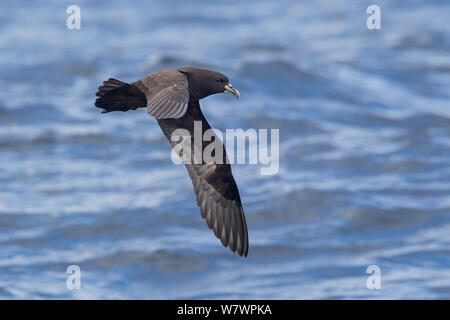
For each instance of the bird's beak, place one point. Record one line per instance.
(229, 88)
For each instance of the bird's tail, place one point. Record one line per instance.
(116, 95)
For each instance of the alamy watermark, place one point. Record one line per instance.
(73, 21)
(373, 282)
(73, 281)
(206, 147)
(374, 20)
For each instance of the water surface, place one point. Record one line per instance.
(364, 119)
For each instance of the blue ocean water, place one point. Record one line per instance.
(364, 179)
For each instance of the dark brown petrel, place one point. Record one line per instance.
(172, 97)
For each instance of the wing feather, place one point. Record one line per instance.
(166, 92)
(214, 185)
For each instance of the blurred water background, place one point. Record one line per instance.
(364, 119)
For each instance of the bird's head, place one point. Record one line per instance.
(203, 83)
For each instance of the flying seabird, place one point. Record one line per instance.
(172, 97)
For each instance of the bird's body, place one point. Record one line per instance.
(172, 97)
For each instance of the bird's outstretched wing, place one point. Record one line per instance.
(166, 92)
(217, 193)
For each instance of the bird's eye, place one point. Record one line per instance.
(219, 80)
